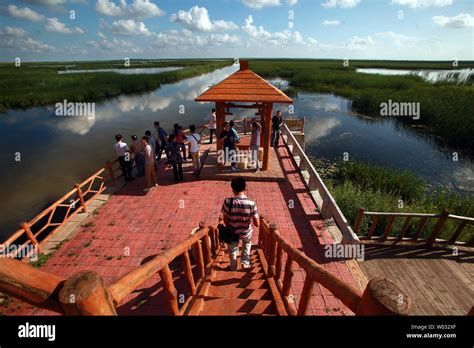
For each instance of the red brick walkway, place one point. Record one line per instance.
(143, 224)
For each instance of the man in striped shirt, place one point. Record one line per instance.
(239, 213)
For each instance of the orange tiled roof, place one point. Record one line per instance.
(244, 86)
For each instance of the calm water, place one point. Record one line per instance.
(57, 152)
(458, 76)
(131, 71)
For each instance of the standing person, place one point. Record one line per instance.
(277, 121)
(180, 138)
(212, 125)
(194, 142)
(175, 157)
(229, 146)
(123, 154)
(255, 144)
(239, 213)
(136, 148)
(151, 141)
(236, 135)
(149, 165)
(162, 136)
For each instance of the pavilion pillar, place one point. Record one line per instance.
(220, 120)
(267, 129)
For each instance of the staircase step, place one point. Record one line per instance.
(228, 306)
(229, 291)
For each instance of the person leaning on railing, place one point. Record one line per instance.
(277, 122)
(123, 154)
(149, 165)
(212, 125)
(136, 148)
(255, 145)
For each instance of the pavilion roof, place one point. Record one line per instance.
(244, 86)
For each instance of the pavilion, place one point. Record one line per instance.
(245, 86)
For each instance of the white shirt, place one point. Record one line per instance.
(121, 148)
(212, 121)
(152, 143)
(193, 140)
(149, 155)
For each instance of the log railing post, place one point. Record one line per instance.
(438, 227)
(84, 293)
(207, 250)
(278, 265)
(305, 295)
(388, 228)
(199, 258)
(188, 273)
(383, 297)
(168, 286)
(272, 249)
(108, 165)
(358, 221)
(286, 288)
(30, 235)
(81, 198)
(458, 232)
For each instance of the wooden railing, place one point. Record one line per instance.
(418, 236)
(42, 227)
(381, 297)
(327, 205)
(84, 293)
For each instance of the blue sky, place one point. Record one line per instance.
(354, 29)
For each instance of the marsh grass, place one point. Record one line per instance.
(446, 108)
(39, 84)
(379, 189)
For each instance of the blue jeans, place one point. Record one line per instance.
(234, 251)
(140, 163)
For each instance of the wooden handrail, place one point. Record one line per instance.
(377, 298)
(329, 208)
(129, 282)
(442, 218)
(84, 292)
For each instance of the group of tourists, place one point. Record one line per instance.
(147, 152)
(239, 212)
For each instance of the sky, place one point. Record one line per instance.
(42, 30)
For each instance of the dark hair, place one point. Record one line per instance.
(231, 123)
(213, 110)
(171, 137)
(226, 124)
(192, 128)
(176, 126)
(134, 137)
(238, 184)
(157, 123)
(255, 124)
(118, 137)
(145, 138)
(148, 133)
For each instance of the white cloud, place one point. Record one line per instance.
(258, 4)
(340, 3)
(358, 43)
(114, 44)
(25, 44)
(263, 37)
(13, 32)
(197, 18)
(47, 2)
(55, 26)
(138, 9)
(129, 27)
(422, 3)
(25, 13)
(330, 23)
(463, 20)
(400, 40)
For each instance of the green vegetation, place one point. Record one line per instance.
(38, 84)
(356, 185)
(446, 108)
